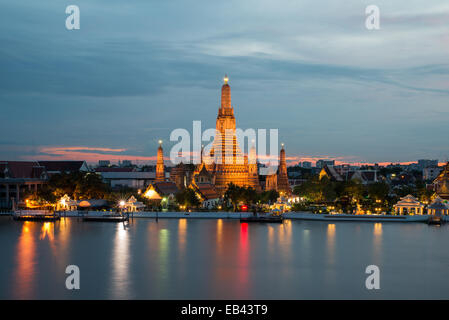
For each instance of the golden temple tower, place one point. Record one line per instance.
(441, 183)
(282, 182)
(253, 172)
(160, 174)
(229, 165)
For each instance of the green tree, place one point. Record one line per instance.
(268, 196)
(378, 191)
(233, 194)
(317, 190)
(188, 198)
(249, 195)
(353, 190)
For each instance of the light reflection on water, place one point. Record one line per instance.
(120, 264)
(24, 278)
(223, 259)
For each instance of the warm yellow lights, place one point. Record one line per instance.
(226, 79)
(160, 141)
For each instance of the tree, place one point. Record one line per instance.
(423, 193)
(378, 191)
(233, 194)
(188, 198)
(310, 190)
(268, 196)
(317, 190)
(353, 190)
(77, 185)
(249, 195)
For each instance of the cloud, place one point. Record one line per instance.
(89, 154)
(135, 71)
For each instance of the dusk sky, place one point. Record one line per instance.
(136, 70)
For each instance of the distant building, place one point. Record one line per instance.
(54, 167)
(126, 163)
(104, 163)
(306, 164)
(19, 177)
(126, 177)
(426, 163)
(430, 173)
(321, 163)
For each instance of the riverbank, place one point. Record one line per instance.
(237, 215)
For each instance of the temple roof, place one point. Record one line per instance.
(438, 204)
(444, 174)
(22, 170)
(165, 188)
(207, 191)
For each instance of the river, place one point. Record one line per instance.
(222, 259)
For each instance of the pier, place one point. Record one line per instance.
(36, 215)
(107, 218)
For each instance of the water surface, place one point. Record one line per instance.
(222, 259)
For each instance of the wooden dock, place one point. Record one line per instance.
(35, 215)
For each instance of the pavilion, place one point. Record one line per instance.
(409, 205)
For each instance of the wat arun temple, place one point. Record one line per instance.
(226, 163)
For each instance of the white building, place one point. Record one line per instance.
(131, 179)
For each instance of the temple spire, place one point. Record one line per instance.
(283, 185)
(160, 171)
(226, 94)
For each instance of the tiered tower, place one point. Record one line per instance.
(441, 183)
(160, 174)
(282, 182)
(253, 172)
(229, 165)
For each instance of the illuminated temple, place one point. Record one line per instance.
(225, 163)
(441, 183)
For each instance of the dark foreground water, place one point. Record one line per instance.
(222, 259)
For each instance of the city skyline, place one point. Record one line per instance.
(334, 90)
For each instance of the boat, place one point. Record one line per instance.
(270, 218)
(35, 215)
(107, 218)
